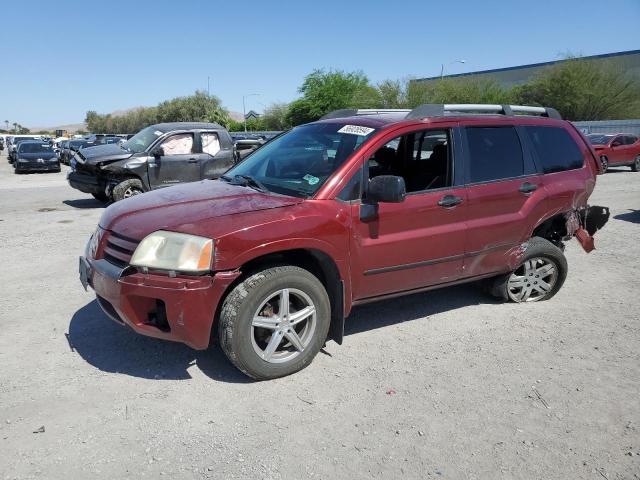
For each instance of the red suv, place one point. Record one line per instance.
(616, 150)
(354, 208)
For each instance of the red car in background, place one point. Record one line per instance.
(616, 150)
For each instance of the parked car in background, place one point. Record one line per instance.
(15, 141)
(245, 144)
(35, 156)
(357, 207)
(616, 150)
(1, 143)
(156, 157)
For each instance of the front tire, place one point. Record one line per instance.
(604, 161)
(635, 167)
(127, 188)
(274, 322)
(540, 275)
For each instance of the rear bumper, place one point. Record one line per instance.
(177, 309)
(85, 183)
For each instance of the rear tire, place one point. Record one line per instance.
(540, 275)
(635, 167)
(262, 338)
(127, 188)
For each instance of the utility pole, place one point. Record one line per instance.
(208, 91)
(244, 108)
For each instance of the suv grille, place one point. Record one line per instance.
(119, 249)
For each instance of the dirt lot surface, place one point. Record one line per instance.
(448, 384)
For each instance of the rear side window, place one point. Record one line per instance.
(210, 143)
(495, 153)
(630, 140)
(556, 151)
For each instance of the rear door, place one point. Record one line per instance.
(504, 192)
(630, 149)
(216, 155)
(179, 162)
(418, 242)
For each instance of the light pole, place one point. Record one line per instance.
(244, 109)
(450, 63)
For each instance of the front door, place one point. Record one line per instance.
(420, 241)
(177, 162)
(617, 152)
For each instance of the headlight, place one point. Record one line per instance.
(174, 251)
(23, 160)
(92, 246)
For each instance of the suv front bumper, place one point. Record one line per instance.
(178, 309)
(85, 183)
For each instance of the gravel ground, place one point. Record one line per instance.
(447, 384)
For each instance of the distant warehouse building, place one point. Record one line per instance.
(625, 62)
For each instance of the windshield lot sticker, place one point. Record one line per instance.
(356, 130)
(311, 180)
(157, 133)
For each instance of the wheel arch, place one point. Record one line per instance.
(553, 229)
(319, 263)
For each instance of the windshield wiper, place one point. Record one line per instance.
(249, 181)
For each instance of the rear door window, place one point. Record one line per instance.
(555, 150)
(495, 153)
(210, 143)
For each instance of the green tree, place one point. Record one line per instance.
(275, 117)
(456, 90)
(583, 90)
(324, 91)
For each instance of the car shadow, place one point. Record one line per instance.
(113, 348)
(632, 216)
(85, 203)
(414, 307)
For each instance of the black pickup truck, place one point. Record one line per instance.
(157, 156)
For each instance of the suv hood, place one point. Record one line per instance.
(103, 153)
(179, 207)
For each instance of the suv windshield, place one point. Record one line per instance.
(34, 148)
(299, 162)
(141, 140)
(599, 139)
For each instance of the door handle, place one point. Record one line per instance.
(528, 188)
(449, 201)
(193, 160)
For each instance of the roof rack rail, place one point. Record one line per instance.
(353, 112)
(440, 110)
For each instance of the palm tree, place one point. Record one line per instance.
(15, 126)
(6, 122)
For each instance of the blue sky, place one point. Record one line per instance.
(63, 58)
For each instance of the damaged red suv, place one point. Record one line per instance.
(357, 207)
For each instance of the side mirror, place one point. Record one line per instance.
(616, 144)
(158, 152)
(387, 189)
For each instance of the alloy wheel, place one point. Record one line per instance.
(605, 164)
(131, 191)
(533, 280)
(283, 326)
